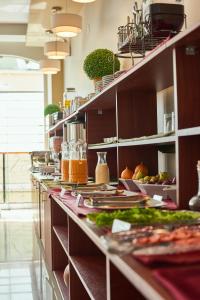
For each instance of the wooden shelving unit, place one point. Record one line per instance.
(130, 108)
(95, 273)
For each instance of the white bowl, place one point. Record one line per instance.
(164, 190)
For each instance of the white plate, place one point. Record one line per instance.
(108, 192)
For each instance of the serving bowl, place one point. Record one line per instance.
(164, 190)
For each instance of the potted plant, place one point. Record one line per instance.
(99, 63)
(49, 110)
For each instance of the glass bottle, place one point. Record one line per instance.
(65, 162)
(78, 167)
(102, 174)
(68, 96)
(194, 202)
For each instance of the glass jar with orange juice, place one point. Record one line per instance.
(78, 167)
(65, 162)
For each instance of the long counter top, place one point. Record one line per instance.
(141, 279)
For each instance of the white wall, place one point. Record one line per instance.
(100, 22)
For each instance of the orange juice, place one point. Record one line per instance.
(78, 171)
(65, 169)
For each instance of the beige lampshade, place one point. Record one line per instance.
(83, 1)
(49, 66)
(66, 25)
(56, 49)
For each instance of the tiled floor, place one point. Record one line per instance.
(23, 275)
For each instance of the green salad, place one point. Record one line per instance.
(141, 216)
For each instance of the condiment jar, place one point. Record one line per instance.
(68, 96)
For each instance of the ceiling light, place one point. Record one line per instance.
(48, 66)
(66, 25)
(56, 49)
(83, 1)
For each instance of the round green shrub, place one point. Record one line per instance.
(101, 62)
(50, 109)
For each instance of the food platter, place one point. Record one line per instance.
(155, 239)
(124, 204)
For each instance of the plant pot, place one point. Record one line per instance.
(98, 85)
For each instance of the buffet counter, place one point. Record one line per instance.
(84, 268)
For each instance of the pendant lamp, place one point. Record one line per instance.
(83, 1)
(66, 25)
(56, 49)
(48, 66)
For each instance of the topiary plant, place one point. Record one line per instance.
(50, 109)
(100, 62)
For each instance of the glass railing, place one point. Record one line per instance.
(15, 178)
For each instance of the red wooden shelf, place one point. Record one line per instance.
(92, 273)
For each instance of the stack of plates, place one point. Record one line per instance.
(98, 86)
(107, 79)
(119, 73)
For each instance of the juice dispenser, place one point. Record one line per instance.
(65, 162)
(78, 168)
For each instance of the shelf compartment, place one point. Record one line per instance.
(62, 235)
(100, 124)
(188, 88)
(111, 160)
(120, 287)
(92, 273)
(61, 285)
(137, 113)
(132, 156)
(77, 290)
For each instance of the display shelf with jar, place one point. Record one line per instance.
(131, 109)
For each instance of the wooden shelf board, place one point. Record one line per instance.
(103, 100)
(62, 235)
(92, 273)
(61, 122)
(189, 131)
(61, 285)
(158, 141)
(107, 146)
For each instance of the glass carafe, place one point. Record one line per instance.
(102, 174)
(65, 162)
(78, 168)
(194, 202)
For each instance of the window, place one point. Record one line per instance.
(21, 112)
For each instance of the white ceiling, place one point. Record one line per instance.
(23, 25)
(14, 11)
